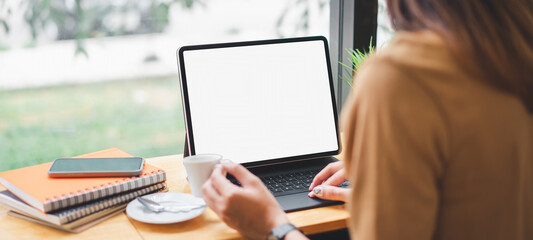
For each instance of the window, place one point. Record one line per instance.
(353, 24)
(384, 31)
(81, 76)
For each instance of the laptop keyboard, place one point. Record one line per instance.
(289, 183)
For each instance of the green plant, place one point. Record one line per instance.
(357, 58)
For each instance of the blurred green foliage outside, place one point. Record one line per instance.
(141, 117)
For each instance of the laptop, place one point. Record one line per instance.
(268, 105)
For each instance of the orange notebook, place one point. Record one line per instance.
(33, 185)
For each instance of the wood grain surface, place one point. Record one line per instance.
(206, 226)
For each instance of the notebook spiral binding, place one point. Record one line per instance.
(74, 213)
(97, 192)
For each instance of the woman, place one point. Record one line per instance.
(438, 132)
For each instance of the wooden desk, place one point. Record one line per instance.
(206, 226)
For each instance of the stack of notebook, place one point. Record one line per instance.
(74, 204)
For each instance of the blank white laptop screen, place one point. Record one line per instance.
(260, 102)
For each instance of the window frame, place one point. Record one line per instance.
(352, 24)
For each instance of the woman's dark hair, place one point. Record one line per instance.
(493, 39)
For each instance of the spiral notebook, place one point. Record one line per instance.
(72, 214)
(32, 184)
(78, 225)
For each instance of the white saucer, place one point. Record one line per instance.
(140, 213)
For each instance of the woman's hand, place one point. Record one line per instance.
(249, 209)
(325, 183)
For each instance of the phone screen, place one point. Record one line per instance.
(97, 164)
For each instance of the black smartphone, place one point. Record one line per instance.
(96, 167)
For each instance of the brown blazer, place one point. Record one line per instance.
(433, 153)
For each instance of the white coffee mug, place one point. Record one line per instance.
(199, 168)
